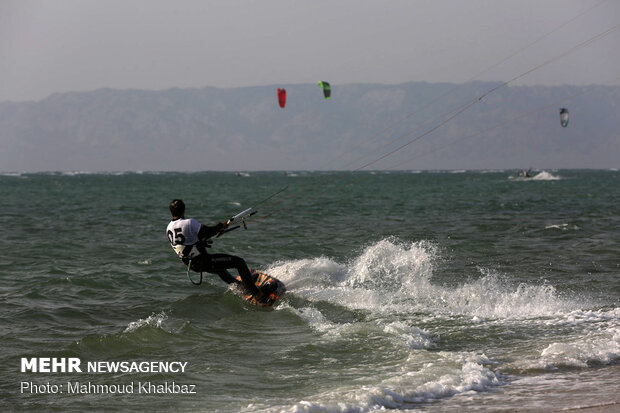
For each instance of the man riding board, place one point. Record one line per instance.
(190, 240)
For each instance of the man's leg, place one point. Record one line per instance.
(226, 277)
(221, 262)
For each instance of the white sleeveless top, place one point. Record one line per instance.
(181, 233)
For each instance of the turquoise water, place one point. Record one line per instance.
(430, 291)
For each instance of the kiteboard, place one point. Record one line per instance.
(271, 287)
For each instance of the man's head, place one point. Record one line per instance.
(177, 208)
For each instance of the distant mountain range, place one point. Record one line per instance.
(245, 129)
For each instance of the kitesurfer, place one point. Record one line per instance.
(190, 240)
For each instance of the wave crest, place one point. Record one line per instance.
(154, 320)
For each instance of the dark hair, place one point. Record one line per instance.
(177, 208)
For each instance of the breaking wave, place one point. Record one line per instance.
(393, 276)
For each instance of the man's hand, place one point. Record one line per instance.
(225, 225)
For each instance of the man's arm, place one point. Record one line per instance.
(207, 232)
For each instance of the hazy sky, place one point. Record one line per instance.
(49, 46)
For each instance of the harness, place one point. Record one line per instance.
(189, 252)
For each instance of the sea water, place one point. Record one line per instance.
(429, 291)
